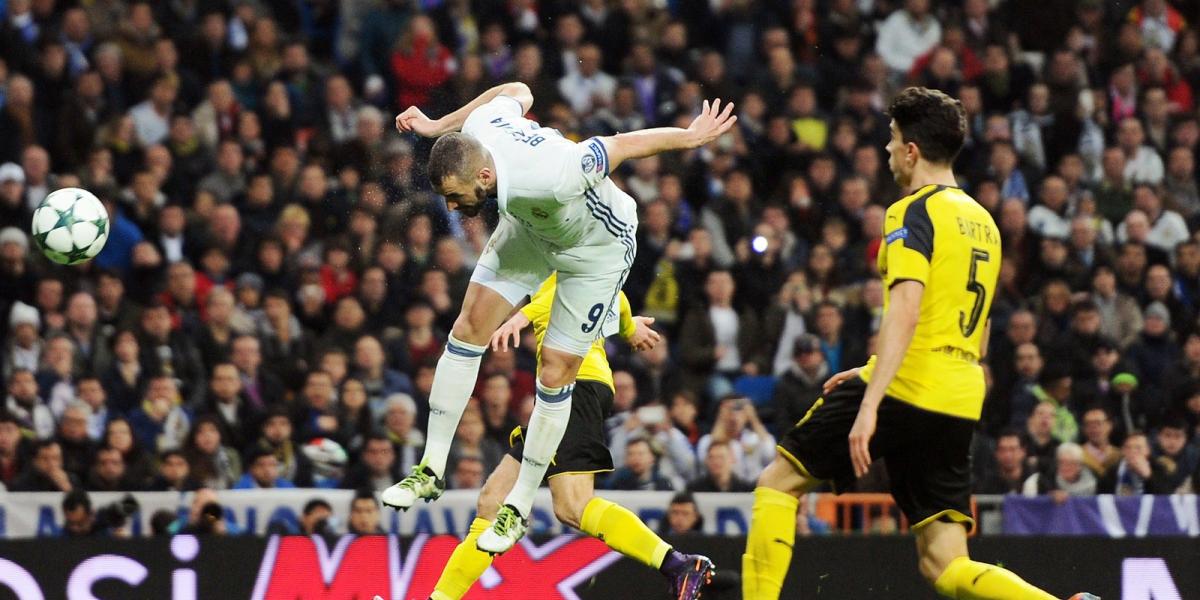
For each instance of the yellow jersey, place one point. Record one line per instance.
(944, 239)
(595, 364)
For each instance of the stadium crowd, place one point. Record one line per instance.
(278, 279)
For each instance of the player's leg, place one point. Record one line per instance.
(943, 560)
(484, 310)
(814, 450)
(510, 268)
(772, 529)
(467, 563)
(576, 504)
(929, 469)
(577, 318)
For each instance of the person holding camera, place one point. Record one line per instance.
(79, 520)
(738, 424)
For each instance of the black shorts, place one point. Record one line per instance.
(928, 454)
(584, 446)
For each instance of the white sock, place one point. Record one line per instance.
(453, 382)
(546, 427)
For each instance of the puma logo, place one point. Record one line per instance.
(980, 576)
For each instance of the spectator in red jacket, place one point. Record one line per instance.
(420, 63)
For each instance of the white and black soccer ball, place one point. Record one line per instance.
(70, 226)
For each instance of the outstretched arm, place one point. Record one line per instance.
(711, 123)
(412, 119)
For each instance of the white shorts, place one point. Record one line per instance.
(515, 263)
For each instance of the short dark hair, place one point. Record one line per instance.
(453, 155)
(1011, 432)
(932, 120)
(314, 504)
(683, 498)
(75, 499)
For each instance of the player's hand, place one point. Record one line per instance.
(860, 440)
(644, 338)
(711, 123)
(836, 380)
(414, 121)
(510, 330)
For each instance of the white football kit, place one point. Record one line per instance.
(558, 212)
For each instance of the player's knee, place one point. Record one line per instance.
(557, 368)
(467, 330)
(782, 476)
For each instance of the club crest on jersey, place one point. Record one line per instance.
(898, 234)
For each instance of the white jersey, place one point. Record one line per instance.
(557, 189)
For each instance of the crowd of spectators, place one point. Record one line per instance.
(278, 279)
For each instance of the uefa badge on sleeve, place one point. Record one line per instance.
(588, 163)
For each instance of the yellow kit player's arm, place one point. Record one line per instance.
(895, 334)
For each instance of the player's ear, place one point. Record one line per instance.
(912, 152)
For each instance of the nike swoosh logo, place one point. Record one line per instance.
(780, 541)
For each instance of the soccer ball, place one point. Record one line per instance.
(70, 226)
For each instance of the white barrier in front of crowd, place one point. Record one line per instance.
(34, 514)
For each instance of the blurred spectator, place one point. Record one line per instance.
(205, 517)
(125, 378)
(738, 424)
(276, 438)
(1099, 454)
(718, 473)
(640, 470)
(119, 435)
(1007, 470)
(377, 467)
(364, 514)
(683, 517)
(78, 516)
(800, 385)
(25, 344)
(108, 473)
(174, 474)
(262, 472)
(1179, 458)
(226, 404)
(468, 473)
(78, 448)
(11, 458)
(211, 461)
(1068, 478)
(1135, 474)
(45, 472)
(470, 441)
(160, 423)
(907, 34)
(24, 404)
(654, 423)
(718, 342)
(399, 425)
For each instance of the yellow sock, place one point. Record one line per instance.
(966, 579)
(623, 531)
(769, 545)
(467, 564)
